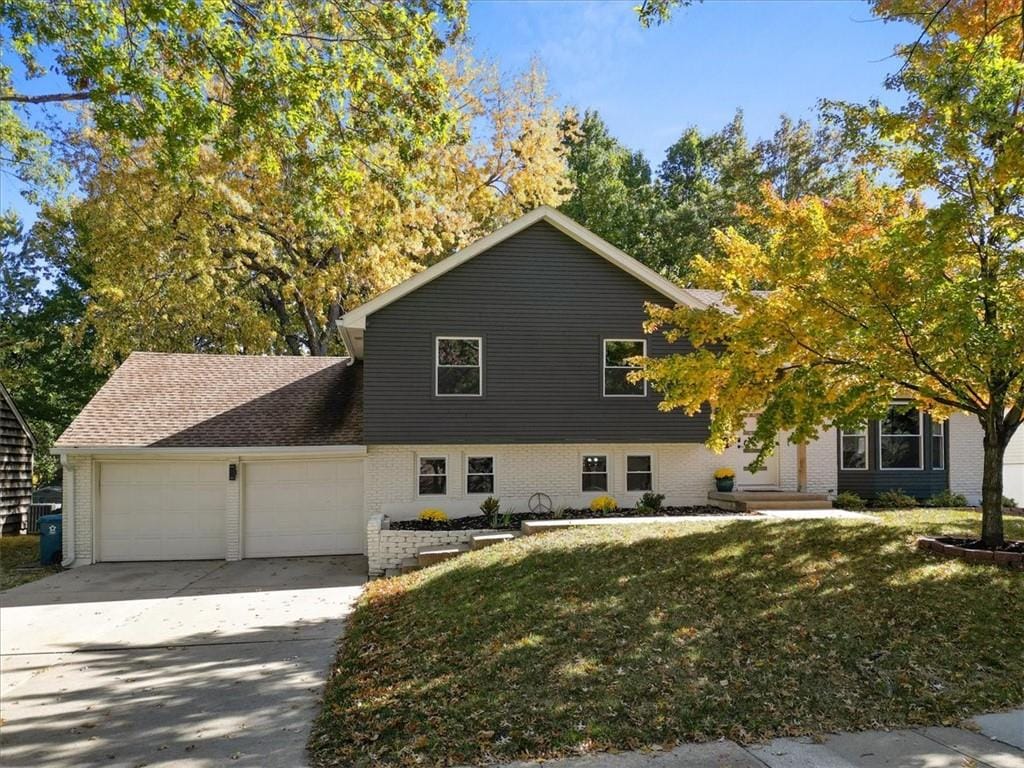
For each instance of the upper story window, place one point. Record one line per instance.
(458, 365)
(899, 439)
(617, 353)
(854, 449)
(938, 444)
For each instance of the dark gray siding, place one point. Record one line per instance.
(15, 467)
(542, 304)
(920, 483)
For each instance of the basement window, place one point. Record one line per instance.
(595, 473)
(433, 475)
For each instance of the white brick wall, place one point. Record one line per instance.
(966, 456)
(82, 467)
(682, 471)
(233, 511)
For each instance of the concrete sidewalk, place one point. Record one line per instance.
(989, 741)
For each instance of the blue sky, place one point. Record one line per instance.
(649, 84)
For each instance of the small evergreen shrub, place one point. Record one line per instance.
(604, 504)
(895, 498)
(650, 502)
(947, 498)
(1009, 503)
(849, 500)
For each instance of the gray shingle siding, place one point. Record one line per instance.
(919, 483)
(15, 465)
(542, 304)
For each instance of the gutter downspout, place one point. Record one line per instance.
(68, 520)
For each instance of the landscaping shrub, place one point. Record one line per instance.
(947, 498)
(489, 507)
(433, 515)
(896, 498)
(849, 500)
(650, 501)
(1008, 502)
(604, 504)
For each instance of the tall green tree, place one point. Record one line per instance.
(44, 353)
(613, 191)
(876, 296)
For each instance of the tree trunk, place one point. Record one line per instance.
(992, 489)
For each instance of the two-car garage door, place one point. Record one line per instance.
(176, 510)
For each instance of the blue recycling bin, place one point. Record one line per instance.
(50, 539)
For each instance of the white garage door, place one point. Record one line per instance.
(161, 510)
(303, 508)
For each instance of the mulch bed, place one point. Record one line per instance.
(474, 522)
(1011, 554)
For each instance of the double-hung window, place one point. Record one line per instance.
(854, 449)
(433, 476)
(899, 439)
(595, 473)
(458, 366)
(639, 473)
(617, 367)
(938, 444)
(480, 474)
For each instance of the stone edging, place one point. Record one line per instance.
(1009, 559)
(386, 549)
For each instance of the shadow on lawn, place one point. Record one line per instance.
(626, 637)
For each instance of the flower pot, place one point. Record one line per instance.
(724, 484)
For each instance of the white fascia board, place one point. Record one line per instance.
(258, 450)
(357, 317)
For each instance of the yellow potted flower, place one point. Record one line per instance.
(724, 478)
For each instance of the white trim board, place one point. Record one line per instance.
(260, 450)
(356, 319)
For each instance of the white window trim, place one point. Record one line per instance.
(479, 364)
(654, 477)
(605, 367)
(867, 443)
(493, 473)
(920, 444)
(941, 425)
(607, 472)
(447, 476)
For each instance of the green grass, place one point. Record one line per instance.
(617, 638)
(18, 551)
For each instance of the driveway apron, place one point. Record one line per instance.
(170, 664)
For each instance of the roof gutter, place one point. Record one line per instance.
(227, 450)
(68, 520)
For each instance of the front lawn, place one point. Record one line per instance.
(616, 638)
(17, 555)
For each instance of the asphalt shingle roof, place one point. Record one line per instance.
(159, 400)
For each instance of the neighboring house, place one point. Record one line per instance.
(1013, 469)
(501, 370)
(16, 448)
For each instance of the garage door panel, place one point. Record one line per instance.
(162, 510)
(303, 508)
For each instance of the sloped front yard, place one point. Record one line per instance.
(620, 638)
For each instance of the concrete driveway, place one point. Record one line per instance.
(170, 664)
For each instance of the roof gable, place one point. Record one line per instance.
(17, 414)
(353, 323)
